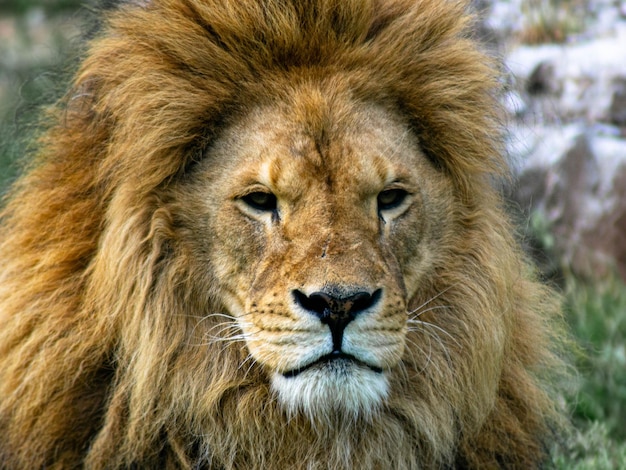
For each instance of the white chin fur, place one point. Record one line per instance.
(327, 391)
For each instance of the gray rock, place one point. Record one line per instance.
(617, 111)
(575, 180)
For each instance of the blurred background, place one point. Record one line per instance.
(565, 96)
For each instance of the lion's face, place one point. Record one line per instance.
(318, 241)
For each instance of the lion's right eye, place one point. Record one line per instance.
(391, 198)
(261, 201)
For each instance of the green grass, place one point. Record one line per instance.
(591, 448)
(596, 313)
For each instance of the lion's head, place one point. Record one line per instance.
(320, 237)
(268, 234)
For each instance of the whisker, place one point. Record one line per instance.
(437, 327)
(429, 309)
(228, 331)
(432, 298)
(428, 355)
(248, 359)
(217, 339)
(435, 335)
(210, 315)
(207, 317)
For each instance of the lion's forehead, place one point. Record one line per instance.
(361, 155)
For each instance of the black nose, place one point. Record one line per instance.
(337, 310)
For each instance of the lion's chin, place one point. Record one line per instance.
(331, 388)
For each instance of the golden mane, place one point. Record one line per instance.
(99, 362)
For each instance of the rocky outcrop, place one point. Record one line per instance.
(567, 105)
(575, 180)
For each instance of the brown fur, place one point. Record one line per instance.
(122, 252)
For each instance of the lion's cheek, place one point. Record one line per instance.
(419, 242)
(380, 345)
(234, 257)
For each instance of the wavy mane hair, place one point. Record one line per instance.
(100, 310)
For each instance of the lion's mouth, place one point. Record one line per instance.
(333, 359)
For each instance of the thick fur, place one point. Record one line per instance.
(137, 326)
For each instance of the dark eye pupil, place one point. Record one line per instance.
(261, 201)
(390, 199)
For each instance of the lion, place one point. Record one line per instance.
(271, 234)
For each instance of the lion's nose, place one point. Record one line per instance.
(337, 311)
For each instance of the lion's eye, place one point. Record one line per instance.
(261, 201)
(391, 198)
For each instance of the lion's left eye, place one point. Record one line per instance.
(262, 201)
(391, 198)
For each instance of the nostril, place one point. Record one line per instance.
(318, 303)
(362, 301)
(346, 306)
